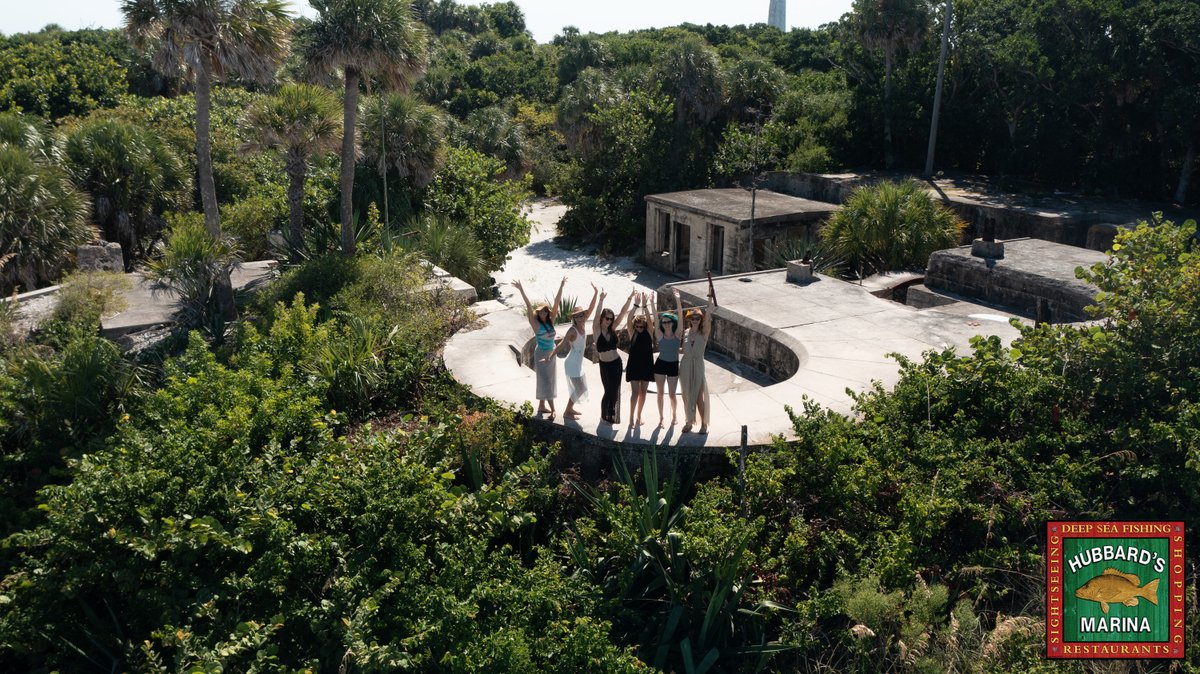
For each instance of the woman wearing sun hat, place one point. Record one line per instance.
(691, 369)
(573, 345)
(541, 320)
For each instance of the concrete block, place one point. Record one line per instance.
(799, 272)
(992, 250)
(102, 256)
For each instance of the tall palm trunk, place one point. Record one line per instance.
(222, 287)
(349, 120)
(888, 156)
(297, 170)
(937, 93)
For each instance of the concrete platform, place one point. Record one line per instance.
(843, 332)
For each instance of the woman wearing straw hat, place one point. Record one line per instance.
(573, 345)
(691, 369)
(541, 320)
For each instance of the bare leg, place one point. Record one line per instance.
(672, 383)
(660, 381)
(643, 386)
(633, 396)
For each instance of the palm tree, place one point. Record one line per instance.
(690, 72)
(302, 121)
(208, 40)
(133, 176)
(889, 26)
(43, 218)
(401, 132)
(377, 38)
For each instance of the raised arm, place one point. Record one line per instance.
(557, 301)
(528, 307)
(592, 304)
(650, 317)
(706, 323)
(637, 305)
(678, 308)
(599, 313)
(624, 310)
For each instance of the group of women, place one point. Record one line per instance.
(678, 366)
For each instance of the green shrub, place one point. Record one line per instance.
(249, 220)
(86, 297)
(449, 246)
(890, 226)
(191, 264)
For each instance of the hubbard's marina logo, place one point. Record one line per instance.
(1114, 590)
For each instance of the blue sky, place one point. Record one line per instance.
(545, 18)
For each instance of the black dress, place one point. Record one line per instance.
(641, 358)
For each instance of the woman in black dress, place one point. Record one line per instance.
(605, 330)
(640, 371)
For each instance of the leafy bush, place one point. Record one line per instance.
(890, 226)
(250, 220)
(86, 297)
(449, 246)
(468, 192)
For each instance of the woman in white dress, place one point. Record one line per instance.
(574, 344)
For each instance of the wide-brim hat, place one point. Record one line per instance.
(577, 313)
(538, 307)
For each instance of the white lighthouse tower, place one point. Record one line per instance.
(776, 17)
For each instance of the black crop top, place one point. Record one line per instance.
(605, 343)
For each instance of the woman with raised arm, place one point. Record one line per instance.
(573, 345)
(541, 320)
(666, 366)
(640, 371)
(605, 329)
(691, 369)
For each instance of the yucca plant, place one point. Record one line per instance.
(890, 226)
(192, 263)
(812, 249)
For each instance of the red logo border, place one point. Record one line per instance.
(1172, 649)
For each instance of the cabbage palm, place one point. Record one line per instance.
(890, 226)
(890, 26)
(43, 218)
(376, 38)
(690, 72)
(401, 132)
(302, 121)
(133, 177)
(209, 40)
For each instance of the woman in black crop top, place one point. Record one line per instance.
(604, 328)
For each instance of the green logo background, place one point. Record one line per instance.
(1075, 608)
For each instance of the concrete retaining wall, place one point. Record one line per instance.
(766, 349)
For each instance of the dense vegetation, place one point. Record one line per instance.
(304, 489)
